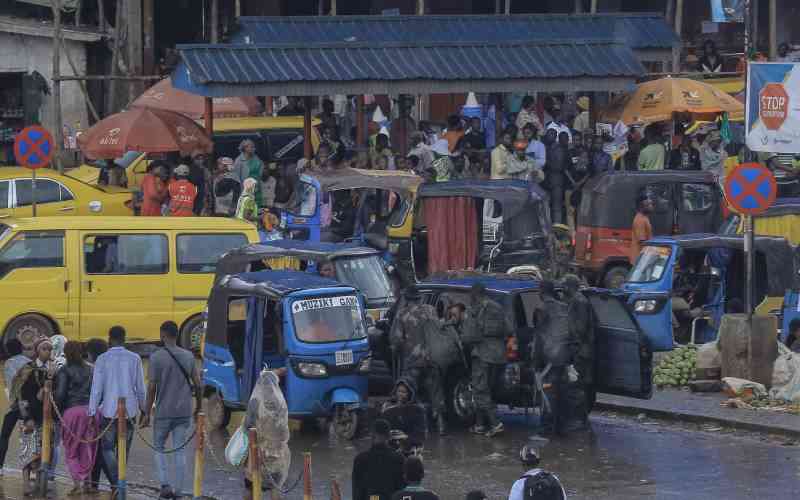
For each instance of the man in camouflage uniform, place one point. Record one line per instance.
(488, 331)
(415, 324)
(554, 346)
(582, 330)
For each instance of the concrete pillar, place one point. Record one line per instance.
(748, 350)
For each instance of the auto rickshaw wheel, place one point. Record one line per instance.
(462, 402)
(344, 423)
(218, 416)
(615, 277)
(192, 334)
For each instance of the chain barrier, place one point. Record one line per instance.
(222, 466)
(165, 452)
(75, 436)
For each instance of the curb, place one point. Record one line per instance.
(699, 419)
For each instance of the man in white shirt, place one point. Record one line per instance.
(118, 373)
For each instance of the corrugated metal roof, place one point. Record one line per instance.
(318, 69)
(639, 31)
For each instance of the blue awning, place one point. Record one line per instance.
(309, 69)
(641, 32)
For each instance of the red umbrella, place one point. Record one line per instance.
(144, 130)
(163, 95)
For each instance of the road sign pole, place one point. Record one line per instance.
(33, 191)
(750, 258)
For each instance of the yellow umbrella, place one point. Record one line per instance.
(657, 100)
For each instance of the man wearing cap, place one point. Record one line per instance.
(226, 188)
(581, 123)
(521, 166)
(182, 193)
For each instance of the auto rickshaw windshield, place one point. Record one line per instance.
(650, 265)
(328, 319)
(365, 273)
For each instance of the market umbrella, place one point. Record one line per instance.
(145, 130)
(657, 100)
(163, 95)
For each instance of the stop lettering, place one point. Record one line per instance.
(773, 105)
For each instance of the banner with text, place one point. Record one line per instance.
(773, 107)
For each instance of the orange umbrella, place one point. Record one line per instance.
(144, 130)
(163, 95)
(657, 100)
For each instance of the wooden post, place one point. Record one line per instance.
(101, 14)
(594, 7)
(270, 105)
(238, 8)
(214, 21)
(508, 7)
(253, 463)
(149, 34)
(135, 45)
(773, 29)
(119, 21)
(58, 122)
(420, 7)
(670, 11)
(361, 139)
(82, 84)
(122, 449)
(333, 7)
(208, 116)
(307, 476)
(498, 6)
(199, 455)
(676, 56)
(754, 25)
(47, 438)
(308, 149)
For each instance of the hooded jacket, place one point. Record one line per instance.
(408, 417)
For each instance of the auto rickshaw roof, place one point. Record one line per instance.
(236, 260)
(782, 206)
(354, 178)
(605, 183)
(514, 195)
(277, 283)
(778, 252)
(501, 283)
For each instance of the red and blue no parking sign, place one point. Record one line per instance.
(750, 188)
(34, 147)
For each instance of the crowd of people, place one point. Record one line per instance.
(87, 381)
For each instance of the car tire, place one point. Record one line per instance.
(191, 334)
(218, 416)
(27, 328)
(615, 277)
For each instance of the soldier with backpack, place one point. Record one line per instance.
(536, 483)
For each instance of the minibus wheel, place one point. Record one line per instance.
(28, 328)
(192, 334)
(218, 415)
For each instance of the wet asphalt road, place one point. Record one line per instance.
(621, 458)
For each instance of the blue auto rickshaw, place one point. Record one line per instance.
(313, 327)
(680, 287)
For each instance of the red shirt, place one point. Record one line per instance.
(154, 193)
(181, 198)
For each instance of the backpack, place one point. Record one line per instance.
(542, 486)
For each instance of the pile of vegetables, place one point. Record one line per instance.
(677, 369)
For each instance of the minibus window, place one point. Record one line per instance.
(199, 253)
(126, 254)
(30, 250)
(4, 185)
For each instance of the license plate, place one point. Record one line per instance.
(344, 358)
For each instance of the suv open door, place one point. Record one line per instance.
(623, 358)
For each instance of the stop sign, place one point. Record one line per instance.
(773, 105)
